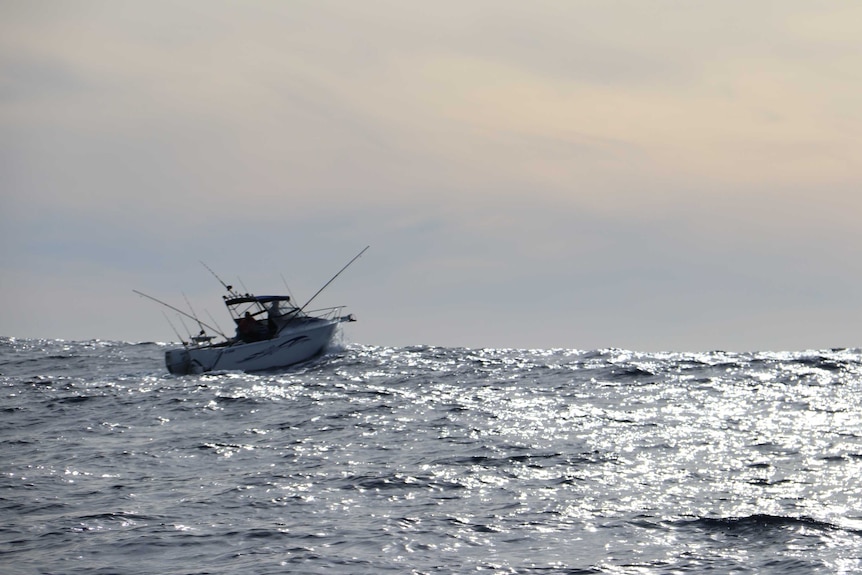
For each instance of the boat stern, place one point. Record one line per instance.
(178, 361)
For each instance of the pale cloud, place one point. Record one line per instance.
(280, 105)
(753, 122)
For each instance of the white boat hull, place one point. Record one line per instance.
(293, 345)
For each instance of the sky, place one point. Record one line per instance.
(654, 176)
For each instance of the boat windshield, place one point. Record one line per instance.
(273, 306)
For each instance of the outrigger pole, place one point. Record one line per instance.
(356, 257)
(181, 312)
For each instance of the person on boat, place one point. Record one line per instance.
(248, 329)
(272, 317)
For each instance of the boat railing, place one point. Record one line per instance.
(326, 312)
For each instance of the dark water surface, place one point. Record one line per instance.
(431, 460)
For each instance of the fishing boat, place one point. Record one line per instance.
(271, 333)
(286, 336)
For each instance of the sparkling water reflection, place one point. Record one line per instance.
(427, 459)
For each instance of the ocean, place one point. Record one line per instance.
(431, 460)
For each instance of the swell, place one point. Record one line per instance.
(762, 524)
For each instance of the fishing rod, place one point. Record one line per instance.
(185, 327)
(356, 257)
(287, 287)
(179, 311)
(170, 323)
(194, 315)
(229, 288)
(213, 320)
(239, 279)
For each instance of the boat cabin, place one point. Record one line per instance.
(261, 317)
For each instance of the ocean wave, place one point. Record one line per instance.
(762, 524)
(429, 459)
